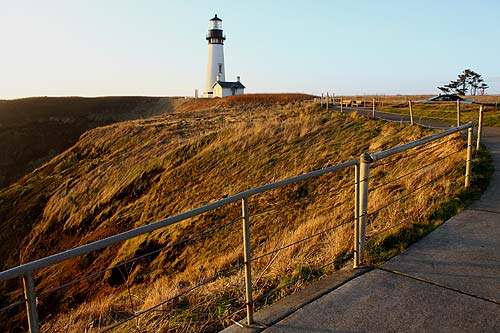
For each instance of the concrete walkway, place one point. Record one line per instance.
(449, 281)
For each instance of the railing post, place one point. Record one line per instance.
(321, 100)
(30, 300)
(469, 158)
(247, 260)
(327, 101)
(373, 108)
(341, 104)
(356, 216)
(479, 127)
(364, 177)
(411, 112)
(458, 112)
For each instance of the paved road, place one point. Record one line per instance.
(449, 281)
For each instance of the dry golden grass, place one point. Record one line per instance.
(130, 174)
(241, 101)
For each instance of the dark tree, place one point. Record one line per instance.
(444, 89)
(483, 87)
(467, 81)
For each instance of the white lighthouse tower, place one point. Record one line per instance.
(215, 65)
(216, 84)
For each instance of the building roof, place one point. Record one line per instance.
(226, 84)
(215, 18)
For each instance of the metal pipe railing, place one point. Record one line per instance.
(468, 158)
(97, 245)
(247, 260)
(361, 192)
(26, 270)
(479, 128)
(30, 300)
(364, 177)
(357, 259)
(366, 159)
(420, 142)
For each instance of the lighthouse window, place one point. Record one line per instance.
(220, 68)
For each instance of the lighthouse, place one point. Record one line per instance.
(215, 84)
(215, 65)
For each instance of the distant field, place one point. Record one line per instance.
(398, 99)
(440, 111)
(447, 112)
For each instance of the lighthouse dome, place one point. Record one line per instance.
(215, 18)
(215, 23)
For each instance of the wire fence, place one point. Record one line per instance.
(170, 299)
(431, 115)
(317, 234)
(429, 171)
(274, 242)
(425, 166)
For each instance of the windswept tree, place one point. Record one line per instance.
(483, 87)
(467, 82)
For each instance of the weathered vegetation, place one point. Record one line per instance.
(129, 174)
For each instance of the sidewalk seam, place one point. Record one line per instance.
(438, 285)
(484, 211)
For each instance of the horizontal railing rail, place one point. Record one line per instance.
(360, 184)
(420, 142)
(97, 245)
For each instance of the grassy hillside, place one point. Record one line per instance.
(33, 130)
(129, 174)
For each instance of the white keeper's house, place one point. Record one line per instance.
(227, 88)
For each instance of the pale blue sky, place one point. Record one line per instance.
(158, 48)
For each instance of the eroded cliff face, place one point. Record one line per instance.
(34, 130)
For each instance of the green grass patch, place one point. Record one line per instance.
(446, 111)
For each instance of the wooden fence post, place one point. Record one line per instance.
(411, 112)
(468, 158)
(479, 127)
